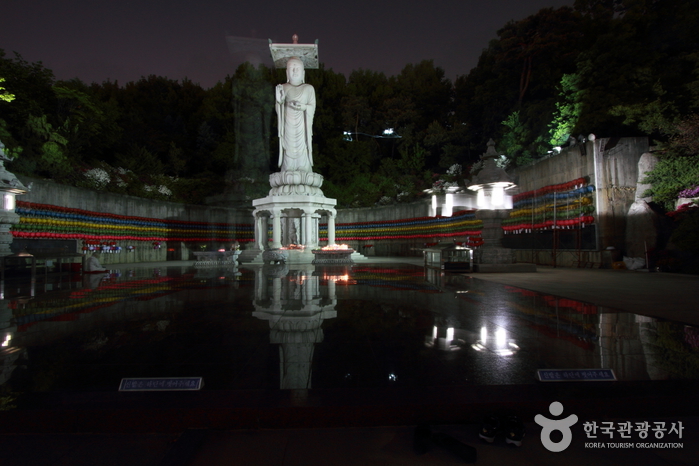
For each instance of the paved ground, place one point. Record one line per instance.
(663, 295)
(660, 295)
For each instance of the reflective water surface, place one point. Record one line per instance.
(291, 327)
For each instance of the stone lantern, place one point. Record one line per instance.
(494, 202)
(10, 187)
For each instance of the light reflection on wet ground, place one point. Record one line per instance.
(295, 327)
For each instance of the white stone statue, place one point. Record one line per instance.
(295, 106)
(93, 265)
(294, 227)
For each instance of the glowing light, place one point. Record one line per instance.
(434, 332)
(484, 335)
(501, 337)
(480, 198)
(337, 278)
(450, 334)
(498, 198)
(448, 206)
(335, 247)
(9, 202)
(502, 184)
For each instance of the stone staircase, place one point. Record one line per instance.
(255, 256)
(248, 255)
(358, 257)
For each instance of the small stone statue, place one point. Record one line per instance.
(93, 264)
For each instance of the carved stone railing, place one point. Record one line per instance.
(333, 256)
(216, 258)
(275, 256)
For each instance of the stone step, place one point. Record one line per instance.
(248, 255)
(295, 257)
(358, 257)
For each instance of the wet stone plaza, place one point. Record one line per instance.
(338, 364)
(305, 327)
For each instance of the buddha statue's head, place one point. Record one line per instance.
(295, 73)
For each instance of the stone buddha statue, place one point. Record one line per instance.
(295, 106)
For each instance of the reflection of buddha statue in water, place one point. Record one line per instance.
(296, 106)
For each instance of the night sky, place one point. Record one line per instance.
(96, 40)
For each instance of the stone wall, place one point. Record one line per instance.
(556, 169)
(48, 192)
(392, 212)
(390, 247)
(611, 165)
(416, 213)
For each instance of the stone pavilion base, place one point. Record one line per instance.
(295, 219)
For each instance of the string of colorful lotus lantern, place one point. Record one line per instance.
(55, 222)
(105, 231)
(556, 207)
(462, 223)
(555, 188)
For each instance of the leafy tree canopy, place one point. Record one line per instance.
(609, 67)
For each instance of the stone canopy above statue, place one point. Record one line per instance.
(307, 53)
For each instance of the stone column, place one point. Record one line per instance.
(315, 221)
(276, 290)
(260, 285)
(310, 283)
(307, 229)
(492, 252)
(331, 228)
(492, 257)
(276, 229)
(258, 230)
(264, 232)
(492, 226)
(331, 290)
